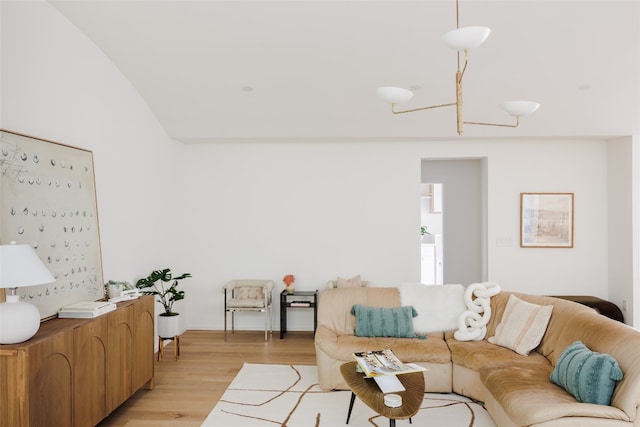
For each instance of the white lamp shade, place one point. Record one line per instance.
(21, 266)
(394, 95)
(519, 108)
(466, 37)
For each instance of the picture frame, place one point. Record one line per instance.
(546, 220)
(48, 200)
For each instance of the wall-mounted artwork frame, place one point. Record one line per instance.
(546, 220)
(48, 200)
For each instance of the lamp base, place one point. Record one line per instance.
(19, 320)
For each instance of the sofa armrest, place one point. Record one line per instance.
(325, 339)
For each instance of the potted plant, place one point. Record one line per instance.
(164, 285)
(426, 236)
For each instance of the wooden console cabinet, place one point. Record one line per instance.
(75, 372)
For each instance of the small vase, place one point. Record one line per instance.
(114, 291)
(290, 289)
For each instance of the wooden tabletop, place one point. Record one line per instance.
(368, 391)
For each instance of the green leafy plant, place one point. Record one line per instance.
(423, 231)
(164, 285)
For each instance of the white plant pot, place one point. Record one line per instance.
(168, 326)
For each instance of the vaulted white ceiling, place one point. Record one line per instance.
(308, 69)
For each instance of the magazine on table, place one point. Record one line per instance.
(383, 362)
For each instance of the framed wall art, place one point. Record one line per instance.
(546, 220)
(48, 200)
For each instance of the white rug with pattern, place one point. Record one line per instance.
(288, 395)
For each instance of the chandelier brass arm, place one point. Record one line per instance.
(461, 40)
(420, 108)
(517, 123)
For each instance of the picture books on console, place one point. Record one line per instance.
(86, 309)
(383, 362)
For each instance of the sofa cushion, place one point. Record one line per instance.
(354, 282)
(410, 350)
(589, 376)
(522, 325)
(477, 354)
(384, 322)
(438, 306)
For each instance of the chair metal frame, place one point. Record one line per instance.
(267, 303)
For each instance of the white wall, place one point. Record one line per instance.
(635, 228)
(321, 210)
(579, 167)
(620, 222)
(57, 85)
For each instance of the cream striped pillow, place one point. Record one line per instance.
(522, 325)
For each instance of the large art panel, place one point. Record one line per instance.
(48, 200)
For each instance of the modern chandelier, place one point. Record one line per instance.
(460, 39)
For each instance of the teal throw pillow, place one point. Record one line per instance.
(589, 376)
(384, 322)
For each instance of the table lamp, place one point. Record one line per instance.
(20, 266)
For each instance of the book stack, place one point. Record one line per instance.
(86, 309)
(300, 304)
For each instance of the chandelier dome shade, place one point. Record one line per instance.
(394, 95)
(466, 37)
(519, 108)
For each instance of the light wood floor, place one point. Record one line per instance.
(187, 389)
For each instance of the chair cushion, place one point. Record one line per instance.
(384, 322)
(589, 376)
(249, 292)
(245, 303)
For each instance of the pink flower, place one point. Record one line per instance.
(289, 279)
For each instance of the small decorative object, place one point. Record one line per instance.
(546, 220)
(393, 400)
(168, 321)
(114, 288)
(289, 282)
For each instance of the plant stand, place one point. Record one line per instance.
(176, 346)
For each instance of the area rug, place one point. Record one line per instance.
(288, 395)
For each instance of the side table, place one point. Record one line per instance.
(297, 299)
(369, 392)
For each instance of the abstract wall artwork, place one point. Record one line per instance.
(546, 220)
(48, 200)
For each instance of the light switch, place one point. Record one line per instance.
(504, 241)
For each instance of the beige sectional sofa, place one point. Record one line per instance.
(516, 389)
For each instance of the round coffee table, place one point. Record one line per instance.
(368, 391)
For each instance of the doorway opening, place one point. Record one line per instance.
(431, 250)
(458, 191)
